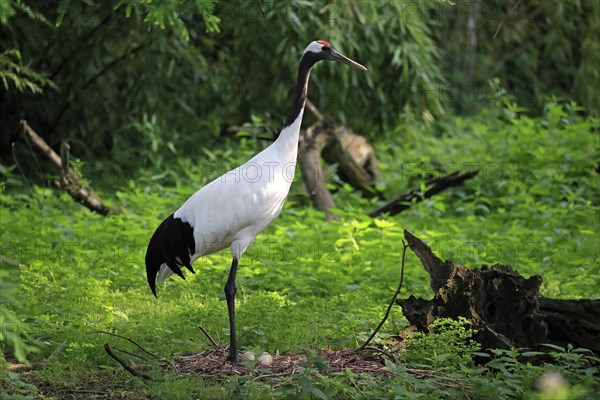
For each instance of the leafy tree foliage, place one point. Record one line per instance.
(108, 84)
(142, 80)
(536, 48)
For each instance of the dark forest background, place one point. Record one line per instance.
(129, 80)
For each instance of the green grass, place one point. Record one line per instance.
(305, 283)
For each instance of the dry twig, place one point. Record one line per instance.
(124, 363)
(130, 353)
(378, 350)
(126, 338)
(215, 345)
(392, 302)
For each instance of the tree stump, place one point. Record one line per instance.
(504, 307)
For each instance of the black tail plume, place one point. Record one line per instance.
(172, 243)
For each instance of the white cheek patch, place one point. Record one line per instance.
(313, 47)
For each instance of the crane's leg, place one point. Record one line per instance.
(230, 290)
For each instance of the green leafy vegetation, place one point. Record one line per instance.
(144, 91)
(448, 347)
(307, 284)
(13, 72)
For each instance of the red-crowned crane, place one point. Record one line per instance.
(234, 208)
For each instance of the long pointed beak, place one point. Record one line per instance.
(345, 60)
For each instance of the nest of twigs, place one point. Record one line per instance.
(214, 364)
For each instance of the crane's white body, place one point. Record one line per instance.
(233, 209)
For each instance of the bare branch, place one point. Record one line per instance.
(126, 338)
(437, 185)
(40, 143)
(387, 313)
(311, 107)
(70, 181)
(124, 364)
(130, 353)
(310, 147)
(215, 345)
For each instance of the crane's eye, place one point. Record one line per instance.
(325, 48)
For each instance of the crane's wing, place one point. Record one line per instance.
(172, 244)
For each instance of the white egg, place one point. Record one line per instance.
(265, 359)
(247, 356)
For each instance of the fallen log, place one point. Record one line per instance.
(504, 307)
(356, 160)
(572, 321)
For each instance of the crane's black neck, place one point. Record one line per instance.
(307, 61)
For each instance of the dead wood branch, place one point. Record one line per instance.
(436, 185)
(82, 194)
(572, 321)
(310, 147)
(378, 350)
(124, 363)
(504, 307)
(124, 338)
(210, 339)
(40, 143)
(131, 353)
(357, 164)
(314, 110)
(356, 157)
(387, 313)
(356, 160)
(69, 180)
